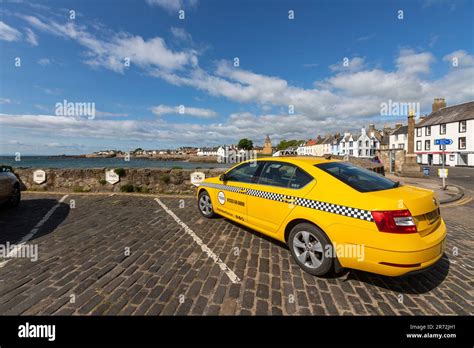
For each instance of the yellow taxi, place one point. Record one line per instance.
(331, 214)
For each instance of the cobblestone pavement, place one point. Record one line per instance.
(127, 255)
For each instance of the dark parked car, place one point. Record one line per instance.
(10, 189)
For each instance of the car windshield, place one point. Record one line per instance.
(363, 180)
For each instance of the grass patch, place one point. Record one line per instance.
(165, 178)
(120, 172)
(127, 188)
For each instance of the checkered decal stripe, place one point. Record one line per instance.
(222, 187)
(335, 209)
(267, 195)
(303, 202)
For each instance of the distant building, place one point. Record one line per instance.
(348, 144)
(335, 145)
(398, 139)
(327, 144)
(208, 151)
(453, 122)
(267, 146)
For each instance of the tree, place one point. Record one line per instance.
(284, 144)
(245, 144)
(138, 150)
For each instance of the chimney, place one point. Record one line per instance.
(371, 127)
(438, 103)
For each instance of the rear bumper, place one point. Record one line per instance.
(396, 263)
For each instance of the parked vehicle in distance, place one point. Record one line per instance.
(331, 214)
(10, 189)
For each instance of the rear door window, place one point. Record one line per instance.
(360, 179)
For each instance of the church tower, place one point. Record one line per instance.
(267, 146)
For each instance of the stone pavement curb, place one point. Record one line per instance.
(457, 197)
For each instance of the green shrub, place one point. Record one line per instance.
(127, 188)
(102, 181)
(177, 168)
(141, 189)
(77, 189)
(165, 178)
(120, 172)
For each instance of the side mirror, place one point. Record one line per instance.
(223, 177)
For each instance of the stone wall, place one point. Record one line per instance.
(168, 181)
(384, 157)
(143, 180)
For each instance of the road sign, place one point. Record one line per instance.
(426, 170)
(197, 178)
(111, 177)
(39, 176)
(443, 173)
(443, 141)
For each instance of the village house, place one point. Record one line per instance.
(207, 151)
(453, 122)
(349, 144)
(335, 145)
(398, 139)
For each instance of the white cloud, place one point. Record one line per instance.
(354, 64)
(238, 125)
(8, 33)
(5, 101)
(366, 37)
(161, 110)
(173, 5)
(31, 37)
(354, 93)
(112, 52)
(463, 59)
(181, 34)
(44, 61)
(410, 62)
(345, 94)
(99, 113)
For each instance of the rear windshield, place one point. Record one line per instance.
(363, 180)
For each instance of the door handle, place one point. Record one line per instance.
(243, 191)
(289, 200)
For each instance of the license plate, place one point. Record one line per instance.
(432, 216)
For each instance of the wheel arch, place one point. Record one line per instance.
(201, 189)
(298, 221)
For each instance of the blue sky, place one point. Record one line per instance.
(283, 62)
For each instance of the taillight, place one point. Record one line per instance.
(394, 221)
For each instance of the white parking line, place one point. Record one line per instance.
(30, 235)
(232, 276)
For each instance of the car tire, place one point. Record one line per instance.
(308, 245)
(15, 197)
(205, 205)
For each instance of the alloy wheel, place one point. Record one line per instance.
(205, 204)
(308, 249)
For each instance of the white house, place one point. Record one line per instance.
(454, 122)
(348, 144)
(335, 145)
(308, 149)
(327, 145)
(398, 139)
(207, 151)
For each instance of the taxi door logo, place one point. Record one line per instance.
(221, 197)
